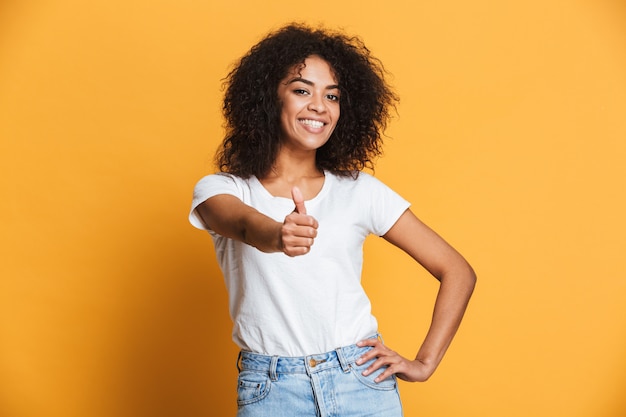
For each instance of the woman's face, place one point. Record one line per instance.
(309, 95)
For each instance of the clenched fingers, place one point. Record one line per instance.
(298, 234)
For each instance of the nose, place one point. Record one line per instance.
(317, 103)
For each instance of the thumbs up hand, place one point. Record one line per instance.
(299, 230)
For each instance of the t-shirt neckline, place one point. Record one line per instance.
(319, 195)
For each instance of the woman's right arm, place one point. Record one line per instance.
(230, 217)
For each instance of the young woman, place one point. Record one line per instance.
(289, 212)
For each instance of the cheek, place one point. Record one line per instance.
(337, 116)
(287, 111)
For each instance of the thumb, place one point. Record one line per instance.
(296, 194)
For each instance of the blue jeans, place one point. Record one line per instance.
(325, 385)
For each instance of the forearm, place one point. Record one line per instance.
(454, 293)
(229, 217)
(261, 232)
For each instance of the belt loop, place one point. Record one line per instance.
(345, 365)
(273, 365)
(238, 361)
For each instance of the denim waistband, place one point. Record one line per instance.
(342, 357)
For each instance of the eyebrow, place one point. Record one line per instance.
(311, 83)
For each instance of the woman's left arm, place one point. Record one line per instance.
(457, 280)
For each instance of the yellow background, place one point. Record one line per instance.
(510, 141)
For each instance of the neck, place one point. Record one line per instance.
(288, 172)
(292, 167)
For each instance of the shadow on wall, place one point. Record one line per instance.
(177, 355)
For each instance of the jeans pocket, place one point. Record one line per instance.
(387, 384)
(252, 387)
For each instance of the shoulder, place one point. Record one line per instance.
(363, 187)
(222, 179)
(376, 191)
(221, 183)
(359, 180)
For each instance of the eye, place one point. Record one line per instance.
(300, 91)
(332, 97)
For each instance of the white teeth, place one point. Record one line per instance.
(312, 123)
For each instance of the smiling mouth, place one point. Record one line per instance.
(312, 123)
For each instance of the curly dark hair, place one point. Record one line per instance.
(252, 109)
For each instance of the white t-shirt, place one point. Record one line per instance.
(314, 303)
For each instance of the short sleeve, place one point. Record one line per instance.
(210, 186)
(386, 206)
